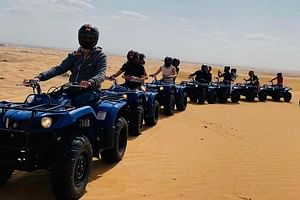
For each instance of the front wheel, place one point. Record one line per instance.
(72, 169)
(212, 97)
(5, 174)
(116, 153)
(251, 96)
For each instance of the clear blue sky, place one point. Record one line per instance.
(258, 33)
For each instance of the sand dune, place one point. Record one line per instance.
(231, 151)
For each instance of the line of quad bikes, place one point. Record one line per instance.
(47, 132)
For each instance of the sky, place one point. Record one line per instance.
(250, 33)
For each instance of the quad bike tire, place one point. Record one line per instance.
(136, 121)
(152, 120)
(212, 97)
(250, 97)
(235, 97)
(169, 106)
(262, 96)
(201, 96)
(222, 98)
(182, 106)
(287, 97)
(116, 153)
(5, 174)
(72, 169)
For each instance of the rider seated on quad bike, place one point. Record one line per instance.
(226, 75)
(134, 71)
(143, 62)
(168, 71)
(176, 63)
(234, 75)
(279, 79)
(87, 66)
(252, 78)
(202, 75)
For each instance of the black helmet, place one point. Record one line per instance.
(279, 74)
(168, 61)
(226, 68)
(233, 70)
(204, 67)
(132, 56)
(175, 62)
(251, 73)
(142, 58)
(88, 36)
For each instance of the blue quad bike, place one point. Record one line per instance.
(276, 92)
(47, 132)
(250, 91)
(197, 92)
(141, 106)
(220, 92)
(169, 95)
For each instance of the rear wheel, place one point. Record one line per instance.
(235, 97)
(201, 96)
(5, 174)
(116, 153)
(287, 97)
(136, 121)
(262, 96)
(223, 97)
(251, 96)
(182, 106)
(72, 169)
(169, 106)
(212, 97)
(152, 120)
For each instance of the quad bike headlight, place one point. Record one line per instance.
(161, 88)
(124, 96)
(30, 99)
(46, 122)
(196, 85)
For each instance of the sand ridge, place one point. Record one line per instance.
(231, 151)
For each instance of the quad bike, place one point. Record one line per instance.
(47, 132)
(169, 95)
(141, 106)
(276, 92)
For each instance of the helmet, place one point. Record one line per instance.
(88, 36)
(132, 56)
(279, 74)
(142, 58)
(168, 61)
(175, 62)
(233, 70)
(204, 67)
(226, 68)
(251, 73)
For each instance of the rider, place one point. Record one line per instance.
(134, 71)
(87, 66)
(168, 71)
(279, 79)
(234, 75)
(176, 63)
(252, 78)
(143, 62)
(226, 75)
(202, 75)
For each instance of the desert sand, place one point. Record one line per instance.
(232, 151)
